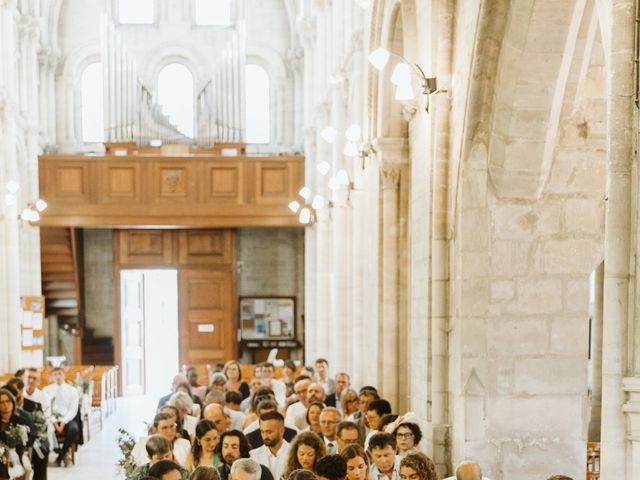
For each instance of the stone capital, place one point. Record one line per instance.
(394, 149)
(390, 175)
(295, 58)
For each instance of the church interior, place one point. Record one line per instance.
(435, 198)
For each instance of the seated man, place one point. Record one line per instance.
(385, 462)
(331, 467)
(469, 470)
(245, 469)
(166, 470)
(64, 408)
(254, 437)
(177, 380)
(158, 449)
(233, 446)
(348, 433)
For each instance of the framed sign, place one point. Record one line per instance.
(32, 323)
(270, 318)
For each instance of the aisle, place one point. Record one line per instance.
(96, 459)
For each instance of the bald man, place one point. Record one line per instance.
(468, 470)
(215, 413)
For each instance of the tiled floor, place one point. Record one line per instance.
(96, 459)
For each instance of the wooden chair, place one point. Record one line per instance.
(72, 450)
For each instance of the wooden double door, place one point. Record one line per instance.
(207, 300)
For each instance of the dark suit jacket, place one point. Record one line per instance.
(255, 439)
(330, 401)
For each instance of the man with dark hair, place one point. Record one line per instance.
(385, 462)
(275, 450)
(166, 470)
(348, 433)
(233, 445)
(322, 376)
(278, 387)
(254, 436)
(233, 399)
(331, 467)
(366, 395)
(32, 392)
(341, 383)
(376, 410)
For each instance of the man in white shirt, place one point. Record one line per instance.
(33, 393)
(275, 450)
(296, 413)
(278, 387)
(329, 419)
(385, 462)
(64, 408)
(468, 470)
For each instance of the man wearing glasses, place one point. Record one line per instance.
(329, 419)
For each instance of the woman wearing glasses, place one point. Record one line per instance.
(408, 436)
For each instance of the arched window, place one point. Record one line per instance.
(92, 103)
(258, 99)
(175, 94)
(213, 12)
(136, 12)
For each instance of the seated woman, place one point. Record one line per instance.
(417, 465)
(408, 436)
(349, 402)
(198, 404)
(306, 449)
(183, 402)
(203, 450)
(163, 424)
(233, 374)
(313, 417)
(9, 420)
(177, 417)
(357, 462)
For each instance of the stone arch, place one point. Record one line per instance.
(165, 54)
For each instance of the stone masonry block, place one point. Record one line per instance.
(576, 296)
(583, 215)
(513, 222)
(502, 290)
(519, 336)
(569, 336)
(537, 296)
(511, 258)
(475, 296)
(550, 376)
(538, 458)
(571, 256)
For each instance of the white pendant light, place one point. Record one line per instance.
(333, 184)
(324, 167)
(342, 178)
(379, 58)
(13, 186)
(41, 205)
(353, 133)
(305, 192)
(10, 199)
(350, 149)
(405, 92)
(401, 74)
(329, 134)
(294, 206)
(305, 215)
(318, 202)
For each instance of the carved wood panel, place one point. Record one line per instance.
(206, 247)
(120, 183)
(71, 182)
(224, 182)
(146, 247)
(207, 315)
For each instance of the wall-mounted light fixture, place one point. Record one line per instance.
(31, 213)
(401, 76)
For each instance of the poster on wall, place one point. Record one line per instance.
(267, 318)
(32, 323)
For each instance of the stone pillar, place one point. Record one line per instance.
(631, 409)
(323, 298)
(340, 322)
(389, 321)
(617, 321)
(359, 341)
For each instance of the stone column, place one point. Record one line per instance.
(323, 297)
(340, 322)
(389, 321)
(631, 409)
(359, 339)
(615, 364)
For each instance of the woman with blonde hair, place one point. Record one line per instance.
(306, 449)
(349, 402)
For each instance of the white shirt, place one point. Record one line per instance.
(189, 424)
(276, 464)
(296, 416)
(181, 448)
(236, 419)
(332, 446)
(280, 391)
(40, 397)
(376, 475)
(64, 401)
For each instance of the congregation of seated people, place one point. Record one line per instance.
(51, 420)
(305, 425)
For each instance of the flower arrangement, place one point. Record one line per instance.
(83, 384)
(40, 423)
(16, 436)
(127, 465)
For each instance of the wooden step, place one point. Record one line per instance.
(51, 286)
(55, 249)
(57, 277)
(54, 258)
(58, 268)
(59, 294)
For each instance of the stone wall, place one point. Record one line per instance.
(99, 283)
(271, 263)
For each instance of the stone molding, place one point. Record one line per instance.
(631, 408)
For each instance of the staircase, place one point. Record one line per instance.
(96, 350)
(61, 253)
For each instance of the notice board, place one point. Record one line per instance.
(270, 318)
